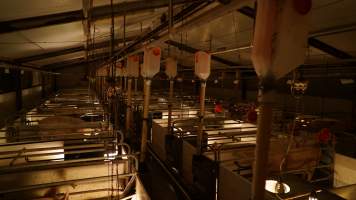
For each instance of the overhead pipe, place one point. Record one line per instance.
(231, 50)
(334, 30)
(212, 11)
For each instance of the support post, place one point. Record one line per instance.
(201, 117)
(146, 102)
(18, 89)
(265, 98)
(171, 86)
(128, 109)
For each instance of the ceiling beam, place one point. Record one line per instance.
(61, 52)
(322, 46)
(11, 64)
(76, 61)
(100, 12)
(312, 41)
(193, 50)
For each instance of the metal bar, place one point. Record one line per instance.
(334, 30)
(61, 139)
(51, 154)
(55, 148)
(231, 50)
(193, 50)
(49, 164)
(328, 49)
(68, 182)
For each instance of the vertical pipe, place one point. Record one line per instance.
(125, 83)
(171, 86)
(201, 117)
(135, 85)
(43, 85)
(128, 109)
(146, 102)
(264, 122)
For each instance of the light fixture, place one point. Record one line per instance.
(216, 81)
(236, 82)
(277, 187)
(345, 81)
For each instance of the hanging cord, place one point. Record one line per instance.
(291, 138)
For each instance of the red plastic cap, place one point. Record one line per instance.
(156, 51)
(134, 58)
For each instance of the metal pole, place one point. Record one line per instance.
(266, 94)
(128, 109)
(135, 85)
(171, 86)
(147, 91)
(201, 117)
